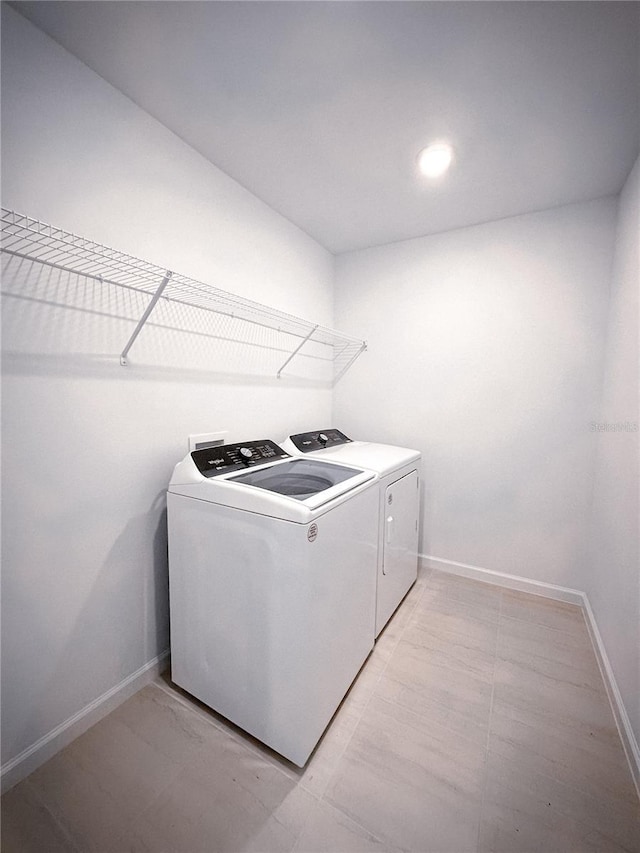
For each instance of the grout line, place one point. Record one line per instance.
(180, 766)
(57, 819)
(483, 797)
(325, 803)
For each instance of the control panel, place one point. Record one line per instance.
(212, 461)
(319, 439)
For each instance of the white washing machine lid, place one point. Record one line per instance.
(292, 489)
(381, 458)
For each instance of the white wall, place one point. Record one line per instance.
(486, 349)
(614, 563)
(88, 446)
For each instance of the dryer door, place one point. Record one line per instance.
(399, 567)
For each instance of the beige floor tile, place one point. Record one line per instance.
(570, 647)
(557, 655)
(328, 830)
(363, 687)
(461, 596)
(28, 827)
(515, 829)
(599, 739)
(126, 763)
(464, 588)
(453, 626)
(539, 686)
(543, 611)
(455, 641)
(384, 648)
(315, 776)
(230, 800)
(94, 815)
(412, 783)
(161, 719)
(457, 698)
(101, 782)
(582, 756)
(527, 811)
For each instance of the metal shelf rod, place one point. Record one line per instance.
(296, 350)
(145, 317)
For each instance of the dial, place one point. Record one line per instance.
(246, 452)
(322, 438)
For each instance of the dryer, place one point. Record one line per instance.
(398, 506)
(272, 580)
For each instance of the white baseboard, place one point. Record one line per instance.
(627, 735)
(46, 747)
(547, 590)
(571, 596)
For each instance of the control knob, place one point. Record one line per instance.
(322, 438)
(246, 452)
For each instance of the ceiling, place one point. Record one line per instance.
(320, 108)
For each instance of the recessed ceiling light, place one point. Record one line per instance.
(435, 160)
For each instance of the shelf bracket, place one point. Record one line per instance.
(152, 304)
(363, 347)
(297, 349)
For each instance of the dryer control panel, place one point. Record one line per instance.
(319, 439)
(211, 461)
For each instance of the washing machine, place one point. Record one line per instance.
(398, 469)
(272, 582)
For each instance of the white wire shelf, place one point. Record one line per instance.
(33, 240)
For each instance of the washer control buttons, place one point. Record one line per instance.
(236, 457)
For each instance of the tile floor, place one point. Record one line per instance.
(479, 723)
